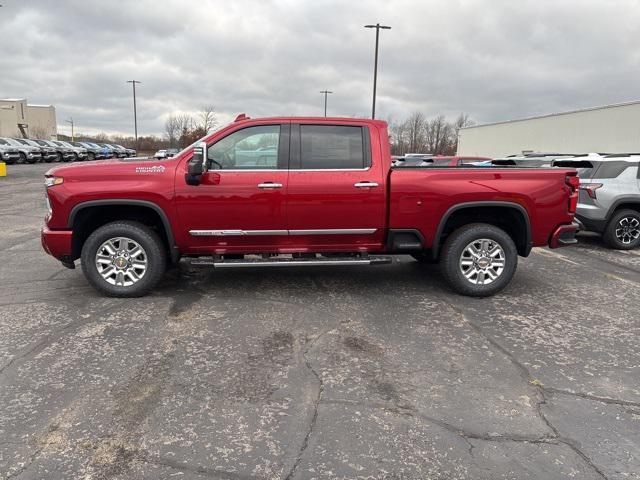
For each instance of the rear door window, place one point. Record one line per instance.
(332, 147)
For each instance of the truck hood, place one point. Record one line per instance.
(101, 168)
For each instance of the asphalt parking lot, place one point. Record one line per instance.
(349, 372)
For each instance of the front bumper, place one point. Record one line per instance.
(57, 243)
(564, 235)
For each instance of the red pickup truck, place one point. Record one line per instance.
(301, 191)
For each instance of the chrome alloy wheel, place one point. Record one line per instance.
(628, 230)
(482, 261)
(121, 261)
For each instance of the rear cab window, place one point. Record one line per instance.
(330, 147)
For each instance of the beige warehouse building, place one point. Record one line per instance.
(610, 129)
(21, 120)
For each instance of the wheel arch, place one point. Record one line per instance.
(116, 209)
(486, 212)
(632, 202)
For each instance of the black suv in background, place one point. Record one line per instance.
(65, 154)
(79, 153)
(118, 150)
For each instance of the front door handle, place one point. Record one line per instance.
(268, 185)
(365, 184)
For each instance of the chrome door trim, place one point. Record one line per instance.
(235, 233)
(335, 231)
(269, 185)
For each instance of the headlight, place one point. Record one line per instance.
(51, 181)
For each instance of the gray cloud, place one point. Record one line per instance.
(493, 59)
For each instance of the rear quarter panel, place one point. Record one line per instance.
(420, 197)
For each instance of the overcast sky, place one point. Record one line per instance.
(492, 59)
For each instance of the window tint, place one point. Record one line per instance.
(612, 169)
(331, 146)
(247, 149)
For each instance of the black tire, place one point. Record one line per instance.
(613, 234)
(452, 254)
(60, 158)
(10, 161)
(147, 238)
(48, 159)
(424, 258)
(91, 156)
(23, 158)
(75, 157)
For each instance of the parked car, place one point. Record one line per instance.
(118, 151)
(108, 151)
(609, 201)
(170, 152)
(131, 152)
(8, 153)
(160, 154)
(333, 200)
(79, 153)
(94, 151)
(64, 154)
(27, 153)
(49, 154)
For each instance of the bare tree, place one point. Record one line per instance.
(207, 118)
(39, 133)
(172, 130)
(415, 127)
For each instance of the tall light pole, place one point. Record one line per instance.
(326, 92)
(377, 26)
(70, 121)
(135, 113)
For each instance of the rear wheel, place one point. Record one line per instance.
(479, 260)
(91, 156)
(60, 158)
(23, 158)
(124, 259)
(623, 230)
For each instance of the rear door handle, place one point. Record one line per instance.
(365, 184)
(268, 185)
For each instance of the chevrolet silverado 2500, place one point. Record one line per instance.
(301, 191)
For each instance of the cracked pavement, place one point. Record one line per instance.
(346, 372)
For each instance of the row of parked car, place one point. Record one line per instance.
(609, 196)
(25, 150)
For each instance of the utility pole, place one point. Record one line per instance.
(377, 26)
(326, 92)
(135, 113)
(71, 122)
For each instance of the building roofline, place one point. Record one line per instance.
(524, 119)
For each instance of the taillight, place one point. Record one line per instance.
(574, 183)
(590, 188)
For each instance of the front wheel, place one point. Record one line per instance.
(478, 260)
(124, 259)
(623, 230)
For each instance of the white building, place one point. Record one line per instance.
(610, 129)
(21, 120)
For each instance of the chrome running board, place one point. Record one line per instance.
(288, 262)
